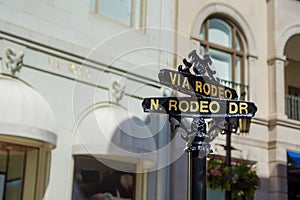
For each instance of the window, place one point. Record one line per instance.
(128, 12)
(95, 180)
(18, 171)
(223, 41)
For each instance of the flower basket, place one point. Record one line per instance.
(242, 179)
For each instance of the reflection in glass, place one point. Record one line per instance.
(2, 184)
(223, 63)
(237, 70)
(220, 33)
(94, 181)
(238, 78)
(119, 10)
(13, 189)
(94, 6)
(202, 32)
(237, 44)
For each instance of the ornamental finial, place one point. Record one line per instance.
(200, 66)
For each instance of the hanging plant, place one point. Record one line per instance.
(242, 179)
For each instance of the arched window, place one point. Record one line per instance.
(224, 42)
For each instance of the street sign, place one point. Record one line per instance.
(196, 107)
(207, 98)
(199, 85)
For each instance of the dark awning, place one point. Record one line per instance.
(295, 157)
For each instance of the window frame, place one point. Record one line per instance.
(236, 33)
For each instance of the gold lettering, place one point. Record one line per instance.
(233, 108)
(87, 73)
(185, 107)
(194, 107)
(211, 107)
(243, 107)
(198, 86)
(53, 62)
(78, 70)
(221, 92)
(154, 104)
(214, 91)
(204, 106)
(186, 83)
(71, 68)
(228, 94)
(172, 103)
(206, 89)
(173, 78)
(50, 61)
(74, 69)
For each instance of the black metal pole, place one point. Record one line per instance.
(228, 193)
(197, 148)
(197, 176)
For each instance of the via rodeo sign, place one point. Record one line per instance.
(208, 98)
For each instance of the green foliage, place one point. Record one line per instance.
(243, 180)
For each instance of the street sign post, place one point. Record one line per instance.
(207, 99)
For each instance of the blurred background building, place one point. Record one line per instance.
(74, 73)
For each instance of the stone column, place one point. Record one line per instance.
(276, 88)
(277, 153)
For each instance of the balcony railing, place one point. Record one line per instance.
(241, 89)
(292, 107)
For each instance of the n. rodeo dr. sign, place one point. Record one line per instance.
(195, 107)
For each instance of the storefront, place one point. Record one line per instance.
(112, 152)
(27, 136)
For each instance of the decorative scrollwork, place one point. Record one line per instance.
(198, 125)
(187, 64)
(201, 67)
(197, 137)
(216, 125)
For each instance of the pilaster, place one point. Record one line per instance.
(276, 88)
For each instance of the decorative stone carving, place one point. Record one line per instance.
(117, 91)
(14, 60)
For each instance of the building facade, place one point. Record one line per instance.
(74, 73)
